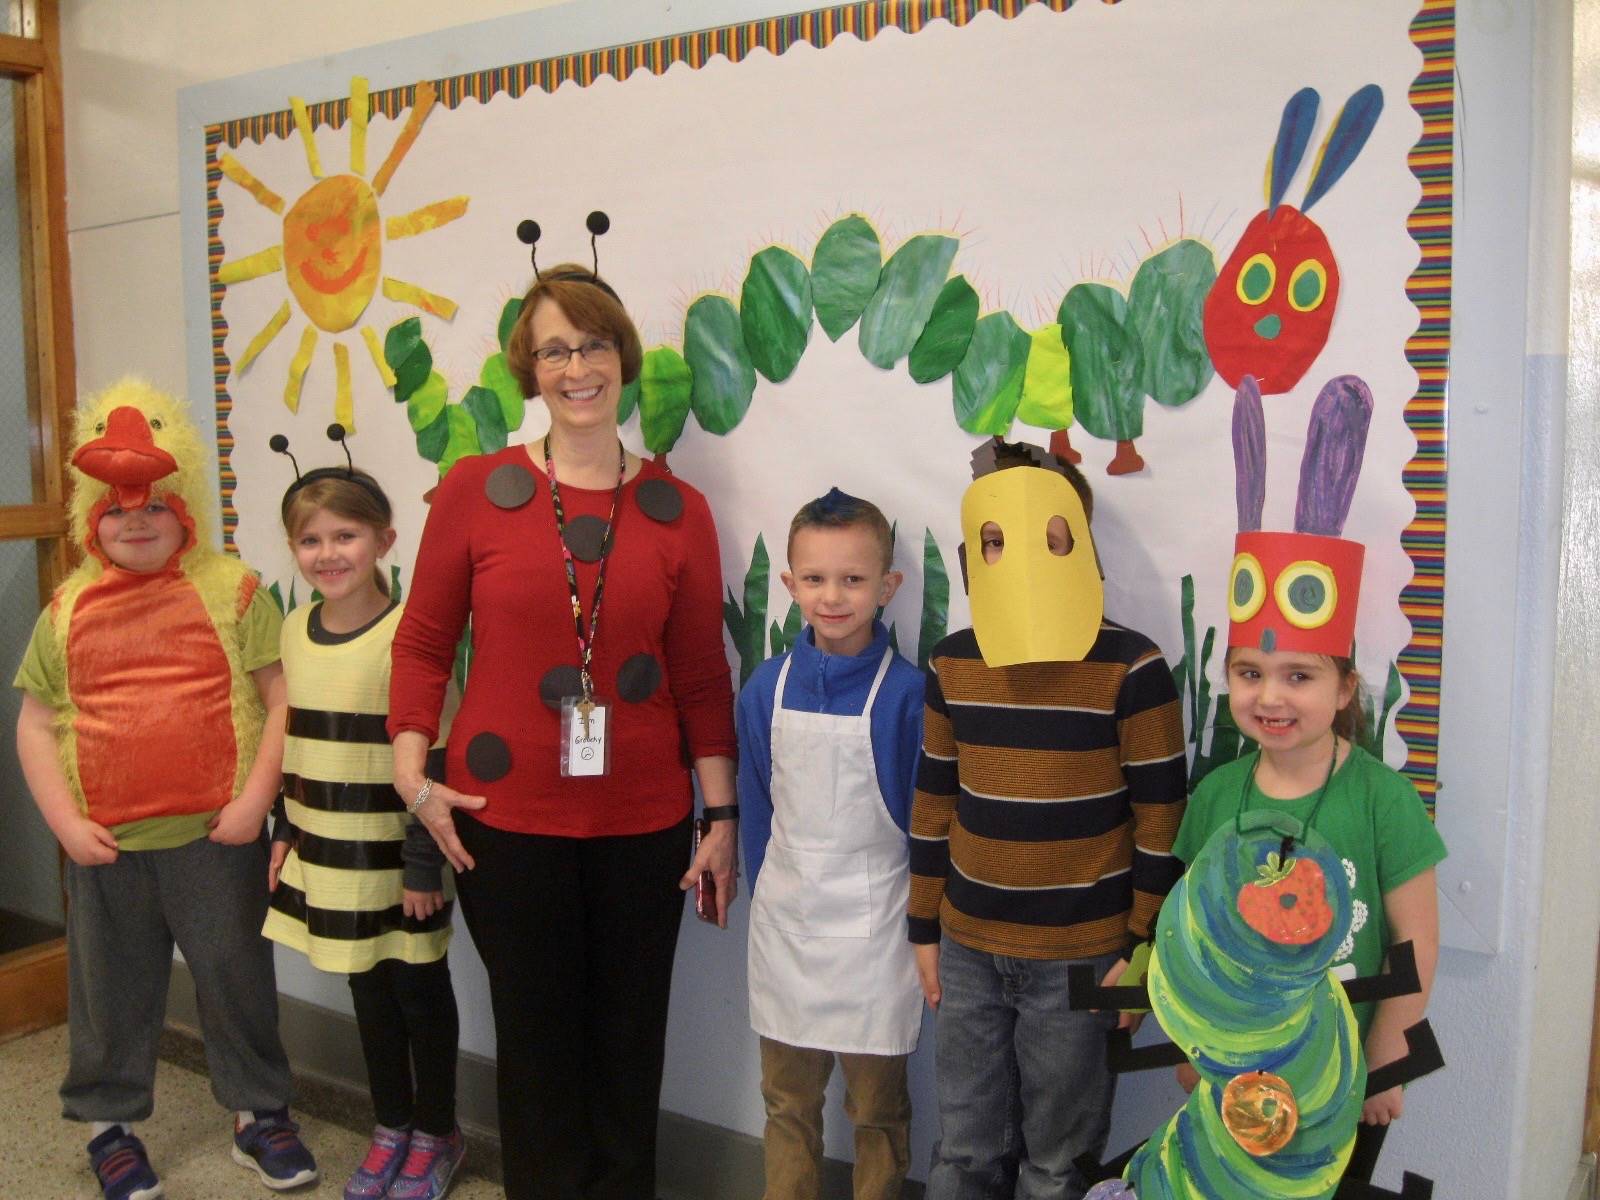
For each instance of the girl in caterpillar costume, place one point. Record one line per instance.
(151, 736)
(1294, 690)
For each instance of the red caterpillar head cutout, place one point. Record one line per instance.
(1269, 313)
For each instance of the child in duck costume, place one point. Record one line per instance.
(151, 735)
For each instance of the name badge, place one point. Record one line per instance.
(585, 748)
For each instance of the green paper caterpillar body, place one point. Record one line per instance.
(1238, 1002)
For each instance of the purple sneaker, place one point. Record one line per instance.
(271, 1147)
(430, 1166)
(122, 1167)
(385, 1157)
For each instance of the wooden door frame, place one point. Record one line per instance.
(33, 981)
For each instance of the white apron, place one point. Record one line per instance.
(830, 966)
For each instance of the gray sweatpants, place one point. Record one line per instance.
(122, 921)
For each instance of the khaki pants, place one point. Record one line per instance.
(877, 1102)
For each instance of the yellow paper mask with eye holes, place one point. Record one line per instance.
(1030, 605)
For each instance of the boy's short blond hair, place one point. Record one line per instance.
(839, 510)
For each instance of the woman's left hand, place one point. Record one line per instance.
(718, 854)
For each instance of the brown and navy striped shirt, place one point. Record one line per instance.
(1048, 798)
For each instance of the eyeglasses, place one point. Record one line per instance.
(555, 358)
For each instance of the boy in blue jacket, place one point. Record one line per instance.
(829, 735)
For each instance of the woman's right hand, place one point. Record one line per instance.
(437, 815)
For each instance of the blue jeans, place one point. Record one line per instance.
(1022, 1080)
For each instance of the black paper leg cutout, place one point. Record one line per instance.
(1423, 1057)
(1400, 979)
(1094, 1171)
(1084, 991)
(1122, 1058)
(1412, 1187)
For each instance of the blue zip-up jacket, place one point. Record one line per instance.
(837, 685)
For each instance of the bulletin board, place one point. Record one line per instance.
(859, 239)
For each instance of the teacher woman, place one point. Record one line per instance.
(597, 682)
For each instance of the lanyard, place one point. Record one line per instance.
(585, 641)
(1316, 804)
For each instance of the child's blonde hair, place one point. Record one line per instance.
(353, 495)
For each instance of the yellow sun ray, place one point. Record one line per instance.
(236, 171)
(302, 122)
(374, 348)
(409, 293)
(252, 266)
(425, 219)
(297, 368)
(359, 111)
(264, 338)
(344, 408)
(419, 113)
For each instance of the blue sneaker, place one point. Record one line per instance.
(430, 1166)
(271, 1147)
(385, 1157)
(122, 1167)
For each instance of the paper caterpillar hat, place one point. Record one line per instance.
(1299, 591)
(1030, 604)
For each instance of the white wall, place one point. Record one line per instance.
(1514, 1023)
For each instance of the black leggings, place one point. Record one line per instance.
(577, 935)
(406, 1013)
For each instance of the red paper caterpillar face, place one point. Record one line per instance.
(1270, 311)
(1294, 591)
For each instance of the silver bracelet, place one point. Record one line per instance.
(422, 796)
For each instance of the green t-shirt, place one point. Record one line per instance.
(1372, 816)
(43, 675)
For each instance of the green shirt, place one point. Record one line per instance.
(1372, 816)
(43, 675)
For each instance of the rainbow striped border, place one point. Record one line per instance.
(1431, 160)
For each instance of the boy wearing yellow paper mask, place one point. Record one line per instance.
(1050, 789)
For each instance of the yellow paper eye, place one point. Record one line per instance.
(1307, 594)
(1257, 278)
(1308, 286)
(1247, 587)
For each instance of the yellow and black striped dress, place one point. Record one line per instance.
(339, 894)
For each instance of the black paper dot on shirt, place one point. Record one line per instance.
(638, 678)
(558, 683)
(488, 756)
(586, 538)
(660, 500)
(510, 485)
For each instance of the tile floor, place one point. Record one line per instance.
(42, 1158)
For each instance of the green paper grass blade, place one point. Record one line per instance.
(462, 439)
(935, 599)
(277, 595)
(508, 319)
(1047, 385)
(792, 623)
(988, 383)
(723, 377)
(1165, 307)
(463, 664)
(664, 385)
(396, 594)
(628, 401)
(497, 377)
(426, 402)
(948, 333)
(484, 406)
(432, 440)
(1106, 399)
(775, 312)
(844, 273)
(907, 290)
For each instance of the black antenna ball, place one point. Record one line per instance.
(597, 223)
(278, 444)
(336, 432)
(528, 231)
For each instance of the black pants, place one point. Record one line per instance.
(578, 936)
(406, 1013)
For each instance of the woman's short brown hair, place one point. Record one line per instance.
(590, 306)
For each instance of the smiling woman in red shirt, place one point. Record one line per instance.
(598, 682)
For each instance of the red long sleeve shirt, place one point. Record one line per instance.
(661, 615)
